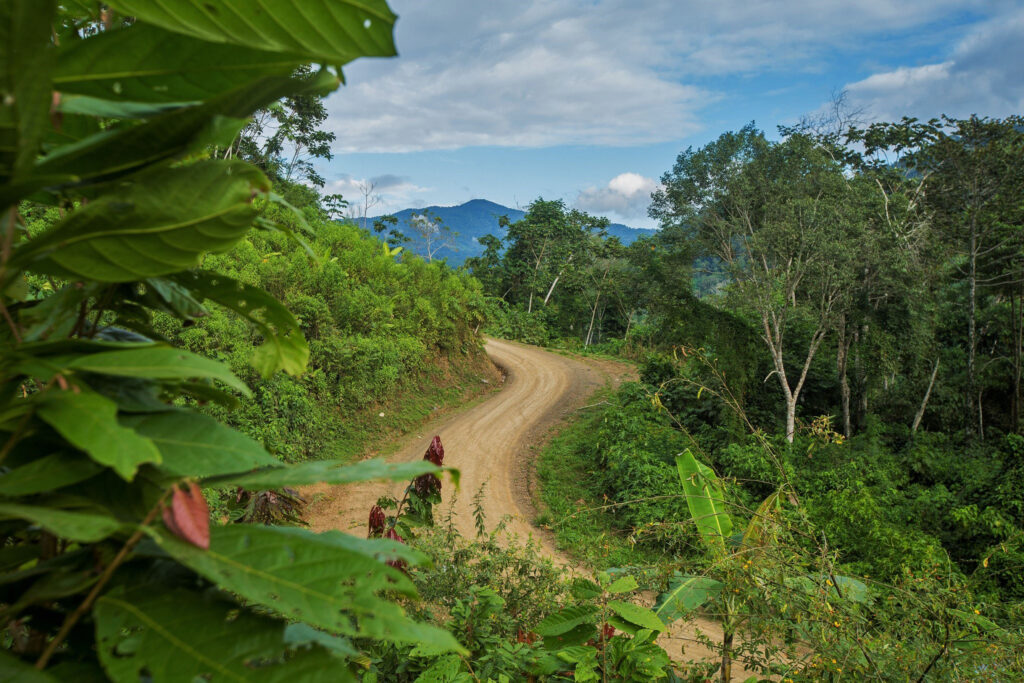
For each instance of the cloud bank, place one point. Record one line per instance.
(537, 73)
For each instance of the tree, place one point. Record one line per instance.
(368, 191)
(430, 234)
(285, 137)
(774, 215)
(543, 245)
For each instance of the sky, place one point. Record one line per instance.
(590, 101)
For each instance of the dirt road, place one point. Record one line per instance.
(491, 444)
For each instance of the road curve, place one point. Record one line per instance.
(489, 443)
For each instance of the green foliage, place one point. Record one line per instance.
(518, 617)
(110, 199)
(377, 330)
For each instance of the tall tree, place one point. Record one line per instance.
(774, 215)
(547, 243)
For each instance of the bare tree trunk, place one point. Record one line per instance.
(972, 332)
(593, 314)
(557, 278)
(924, 401)
(981, 417)
(790, 418)
(727, 637)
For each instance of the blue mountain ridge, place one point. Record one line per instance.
(479, 217)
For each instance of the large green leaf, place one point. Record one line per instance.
(335, 31)
(13, 670)
(86, 527)
(565, 620)
(685, 594)
(89, 422)
(156, 362)
(158, 223)
(146, 63)
(194, 445)
(130, 148)
(284, 346)
(26, 59)
(635, 614)
(705, 500)
(167, 635)
(326, 471)
(575, 636)
(47, 473)
(316, 578)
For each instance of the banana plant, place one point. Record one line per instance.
(728, 550)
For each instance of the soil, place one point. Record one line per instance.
(494, 443)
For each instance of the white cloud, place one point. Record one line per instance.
(627, 195)
(983, 75)
(608, 72)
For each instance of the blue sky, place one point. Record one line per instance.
(590, 101)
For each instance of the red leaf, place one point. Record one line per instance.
(435, 452)
(188, 517)
(377, 521)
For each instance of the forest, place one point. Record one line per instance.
(816, 468)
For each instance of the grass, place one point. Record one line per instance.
(436, 391)
(572, 505)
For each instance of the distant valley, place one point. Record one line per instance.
(479, 217)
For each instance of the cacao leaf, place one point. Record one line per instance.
(284, 346)
(156, 224)
(334, 31)
(25, 65)
(89, 422)
(195, 445)
(86, 527)
(146, 63)
(169, 635)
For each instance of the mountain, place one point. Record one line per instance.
(479, 217)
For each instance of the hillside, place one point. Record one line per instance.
(478, 217)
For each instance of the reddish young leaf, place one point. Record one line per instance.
(435, 452)
(426, 484)
(188, 517)
(377, 522)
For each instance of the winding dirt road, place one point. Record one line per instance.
(491, 444)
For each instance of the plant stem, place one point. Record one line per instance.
(80, 611)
